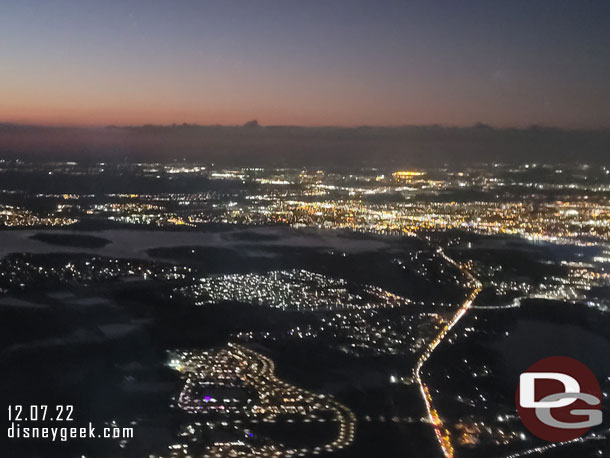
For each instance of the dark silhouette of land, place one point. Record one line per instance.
(254, 144)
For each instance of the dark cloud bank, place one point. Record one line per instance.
(252, 144)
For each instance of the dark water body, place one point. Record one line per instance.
(124, 243)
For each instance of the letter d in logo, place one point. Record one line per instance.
(527, 388)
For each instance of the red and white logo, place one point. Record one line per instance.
(559, 399)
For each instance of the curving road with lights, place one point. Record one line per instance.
(442, 433)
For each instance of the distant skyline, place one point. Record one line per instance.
(337, 62)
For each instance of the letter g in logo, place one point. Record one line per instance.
(559, 399)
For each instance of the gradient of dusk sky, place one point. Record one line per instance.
(308, 62)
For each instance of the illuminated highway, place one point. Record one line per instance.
(442, 433)
(554, 445)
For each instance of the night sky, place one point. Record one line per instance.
(308, 62)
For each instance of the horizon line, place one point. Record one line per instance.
(254, 124)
